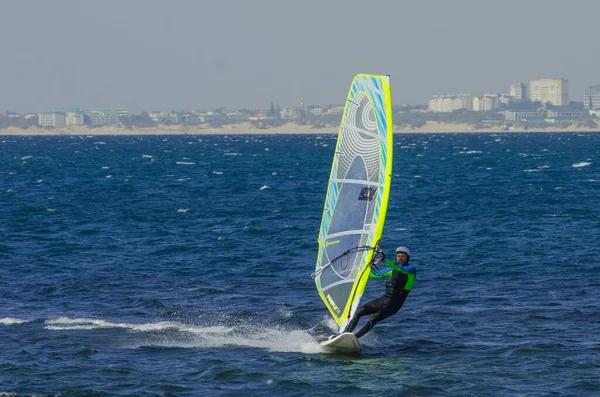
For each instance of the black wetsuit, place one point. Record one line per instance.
(396, 291)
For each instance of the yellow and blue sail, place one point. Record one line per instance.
(357, 196)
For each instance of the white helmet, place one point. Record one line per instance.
(403, 249)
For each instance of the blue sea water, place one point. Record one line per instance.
(180, 265)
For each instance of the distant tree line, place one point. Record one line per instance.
(141, 120)
(19, 122)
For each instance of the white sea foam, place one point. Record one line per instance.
(183, 210)
(265, 187)
(176, 334)
(538, 168)
(218, 172)
(471, 152)
(581, 164)
(66, 323)
(185, 163)
(11, 321)
(147, 156)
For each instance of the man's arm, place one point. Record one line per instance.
(382, 273)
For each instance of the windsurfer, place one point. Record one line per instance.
(399, 281)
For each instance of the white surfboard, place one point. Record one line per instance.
(343, 343)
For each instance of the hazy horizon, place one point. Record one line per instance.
(158, 55)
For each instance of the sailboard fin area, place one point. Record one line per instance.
(357, 196)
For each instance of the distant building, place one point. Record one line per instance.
(189, 118)
(160, 117)
(237, 116)
(52, 119)
(485, 103)
(511, 115)
(595, 112)
(504, 99)
(75, 117)
(105, 116)
(313, 111)
(591, 98)
(420, 109)
(155, 115)
(259, 115)
(211, 117)
(555, 91)
(290, 114)
(556, 115)
(12, 115)
(451, 102)
(440, 103)
(335, 110)
(518, 91)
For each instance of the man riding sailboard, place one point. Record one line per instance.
(355, 209)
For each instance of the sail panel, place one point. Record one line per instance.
(354, 212)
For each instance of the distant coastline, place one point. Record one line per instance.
(248, 129)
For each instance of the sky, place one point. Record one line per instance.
(246, 54)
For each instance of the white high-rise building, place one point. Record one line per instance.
(75, 117)
(52, 119)
(485, 102)
(451, 102)
(555, 91)
(591, 98)
(518, 91)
